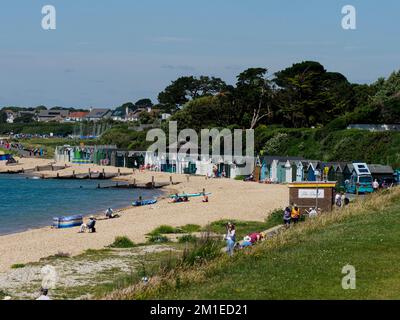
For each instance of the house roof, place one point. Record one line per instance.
(380, 169)
(78, 114)
(53, 113)
(270, 159)
(97, 113)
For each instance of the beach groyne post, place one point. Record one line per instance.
(90, 174)
(104, 174)
(119, 171)
(152, 182)
(134, 182)
(170, 180)
(52, 168)
(73, 174)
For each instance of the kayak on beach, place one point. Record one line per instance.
(190, 195)
(144, 202)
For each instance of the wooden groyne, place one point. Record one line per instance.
(128, 185)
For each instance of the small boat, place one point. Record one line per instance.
(144, 202)
(67, 222)
(190, 195)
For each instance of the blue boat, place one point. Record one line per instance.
(144, 202)
(67, 222)
(5, 157)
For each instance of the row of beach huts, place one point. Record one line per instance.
(272, 169)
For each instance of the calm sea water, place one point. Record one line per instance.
(28, 203)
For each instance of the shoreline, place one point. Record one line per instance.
(230, 199)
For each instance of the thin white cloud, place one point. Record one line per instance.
(170, 39)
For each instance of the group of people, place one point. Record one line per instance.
(341, 200)
(248, 240)
(292, 214)
(185, 198)
(90, 225)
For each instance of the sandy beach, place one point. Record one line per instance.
(230, 199)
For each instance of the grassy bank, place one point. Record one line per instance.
(331, 145)
(303, 263)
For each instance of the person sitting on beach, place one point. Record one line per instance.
(205, 197)
(176, 199)
(255, 236)
(110, 214)
(88, 226)
(185, 199)
(246, 242)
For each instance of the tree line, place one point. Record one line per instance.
(301, 96)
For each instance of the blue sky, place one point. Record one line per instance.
(106, 53)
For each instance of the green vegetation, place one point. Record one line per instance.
(187, 238)
(125, 137)
(62, 129)
(339, 145)
(164, 229)
(304, 262)
(189, 228)
(18, 266)
(122, 242)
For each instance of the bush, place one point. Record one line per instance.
(122, 242)
(18, 266)
(187, 238)
(164, 229)
(189, 228)
(205, 249)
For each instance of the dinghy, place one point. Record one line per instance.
(67, 222)
(144, 202)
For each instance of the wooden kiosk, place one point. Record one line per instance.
(312, 194)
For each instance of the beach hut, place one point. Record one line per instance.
(275, 167)
(313, 174)
(382, 173)
(348, 171)
(339, 173)
(327, 170)
(264, 171)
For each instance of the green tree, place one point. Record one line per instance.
(188, 88)
(308, 95)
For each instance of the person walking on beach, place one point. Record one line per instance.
(287, 217)
(230, 238)
(295, 214)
